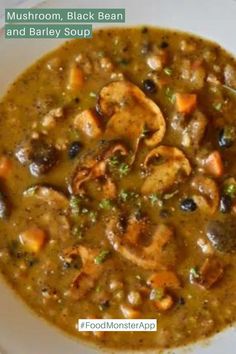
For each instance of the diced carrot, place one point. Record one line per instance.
(76, 78)
(214, 165)
(165, 303)
(33, 239)
(164, 279)
(5, 166)
(185, 102)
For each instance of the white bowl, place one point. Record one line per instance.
(22, 332)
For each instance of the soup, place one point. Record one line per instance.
(118, 189)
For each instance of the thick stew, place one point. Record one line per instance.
(118, 185)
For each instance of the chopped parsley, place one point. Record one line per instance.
(157, 294)
(194, 274)
(123, 195)
(230, 189)
(154, 199)
(30, 192)
(123, 169)
(102, 256)
(75, 202)
(113, 161)
(105, 204)
(170, 94)
(168, 71)
(218, 106)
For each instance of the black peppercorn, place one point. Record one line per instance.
(74, 149)
(188, 205)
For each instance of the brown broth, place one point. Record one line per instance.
(43, 278)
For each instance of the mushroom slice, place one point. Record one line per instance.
(38, 155)
(89, 272)
(210, 272)
(94, 167)
(87, 123)
(163, 176)
(130, 111)
(50, 209)
(157, 255)
(195, 130)
(208, 198)
(221, 234)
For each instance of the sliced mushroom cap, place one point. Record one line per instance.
(38, 155)
(159, 254)
(195, 130)
(207, 198)
(130, 111)
(222, 234)
(94, 166)
(210, 272)
(88, 274)
(50, 208)
(163, 176)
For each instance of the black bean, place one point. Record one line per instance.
(188, 205)
(225, 204)
(74, 149)
(149, 86)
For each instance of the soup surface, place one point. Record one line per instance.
(118, 189)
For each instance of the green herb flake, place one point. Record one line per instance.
(168, 71)
(75, 204)
(218, 106)
(194, 273)
(98, 289)
(230, 189)
(103, 255)
(123, 195)
(113, 161)
(170, 94)
(30, 192)
(105, 204)
(92, 216)
(154, 199)
(157, 294)
(123, 169)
